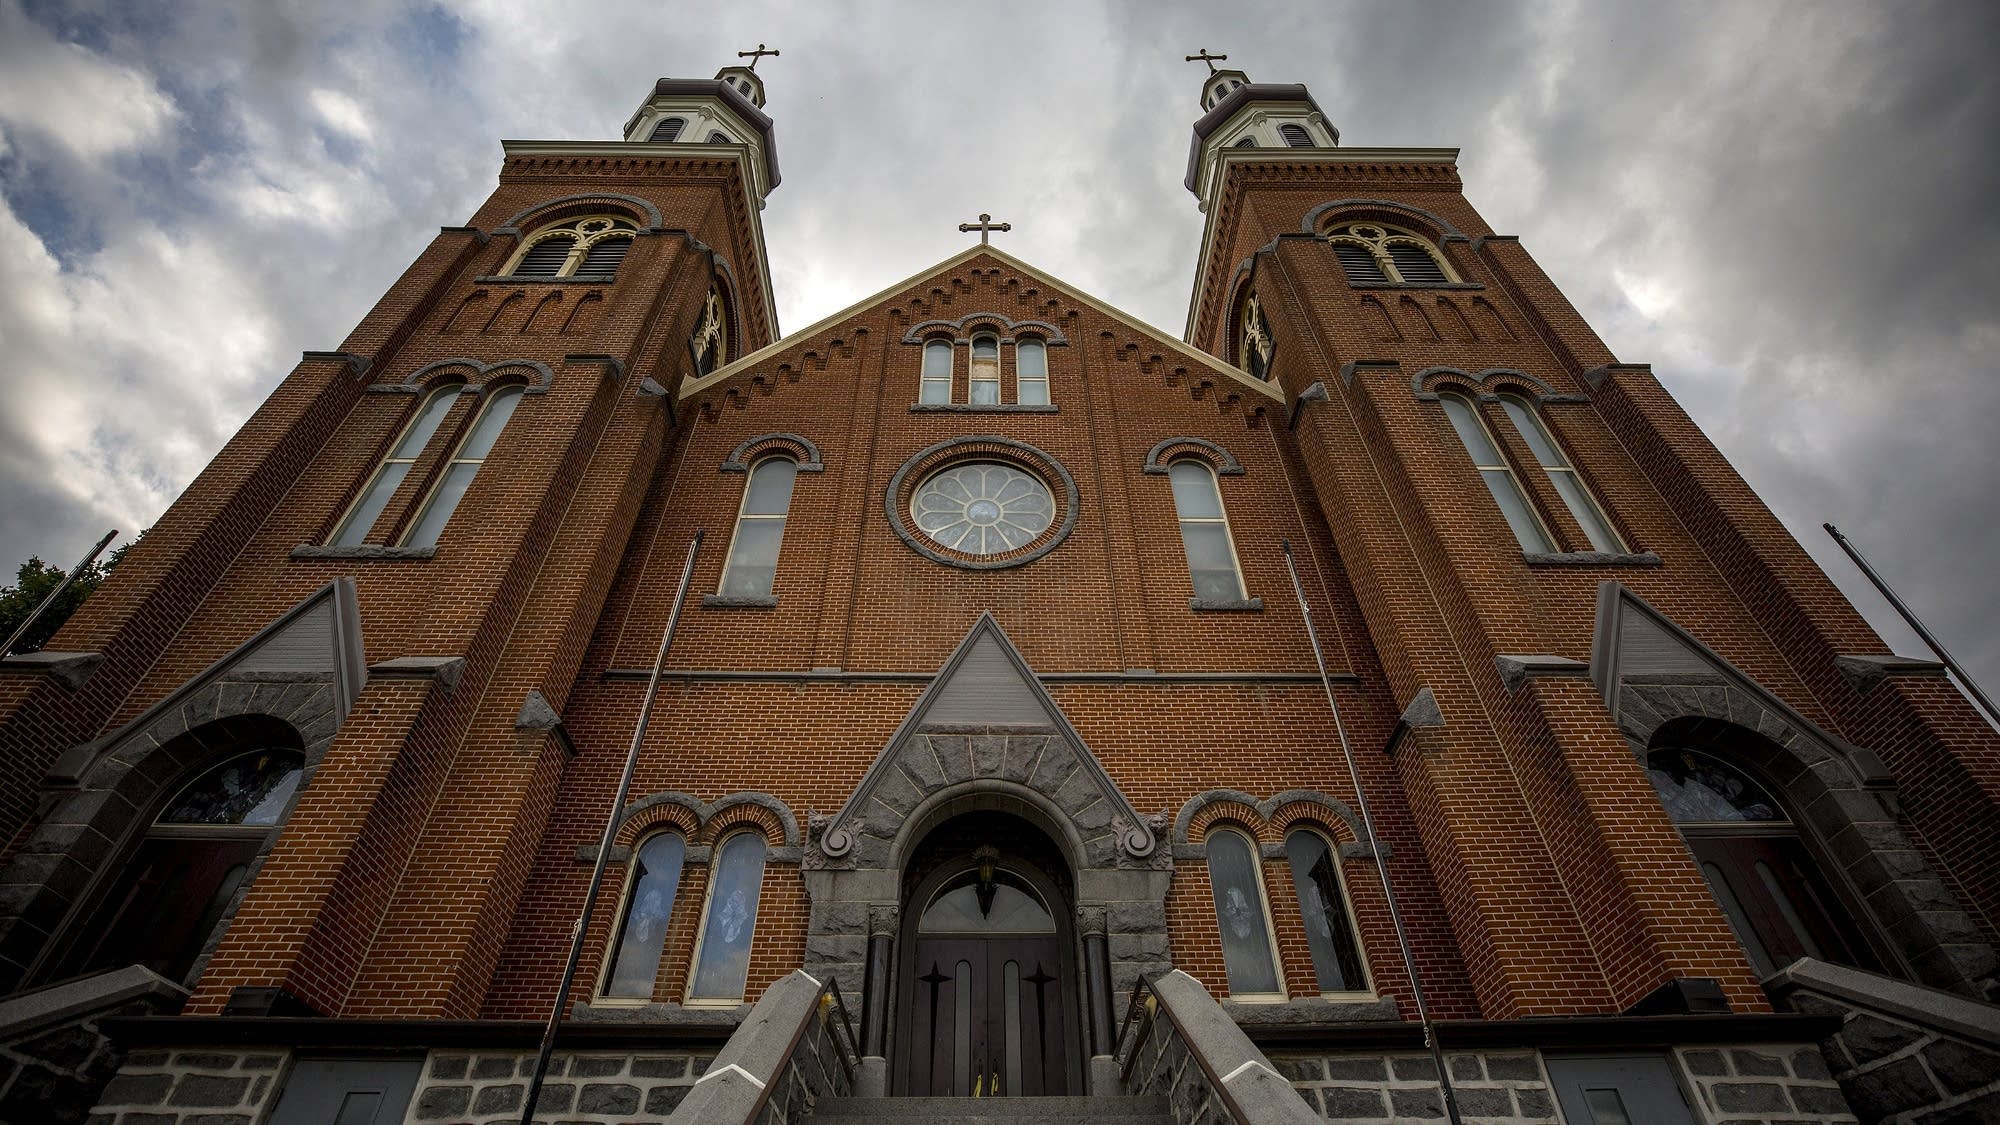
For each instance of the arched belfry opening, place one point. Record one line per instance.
(987, 997)
(987, 833)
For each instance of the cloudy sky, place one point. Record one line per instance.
(1785, 208)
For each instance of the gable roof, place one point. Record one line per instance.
(1208, 362)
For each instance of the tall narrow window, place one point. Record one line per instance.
(389, 475)
(1247, 142)
(937, 372)
(668, 130)
(709, 343)
(1254, 344)
(649, 905)
(1497, 473)
(1211, 557)
(760, 528)
(464, 465)
(984, 374)
(1295, 136)
(1247, 952)
(1323, 907)
(1031, 373)
(722, 955)
(1574, 495)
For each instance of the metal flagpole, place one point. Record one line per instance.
(1936, 646)
(604, 842)
(57, 592)
(1375, 849)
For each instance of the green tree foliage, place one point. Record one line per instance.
(33, 581)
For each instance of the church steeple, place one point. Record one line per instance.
(725, 110)
(1241, 114)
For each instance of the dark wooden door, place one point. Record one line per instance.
(1768, 887)
(165, 904)
(988, 1018)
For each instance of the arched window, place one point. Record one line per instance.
(1247, 142)
(1756, 865)
(591, 246)
(984, 374)
(174, 890)
(1378, 254)
(1295, 135)
(1247, 949)
(464, 465)
(667, 130)
(709, 343)
(1323, 907)
(1564, 478)
(653, 882)
(937, 371)
(1031, 372)
(722, 953)
(1497, 473)
(719, 139)
(1211, 557)
(760, 529)
(360, 518)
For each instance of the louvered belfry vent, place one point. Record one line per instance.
(668, 130)
(604, 256)
(1296, 136)
(545, 258)
(1417, 266)
(1360, 265)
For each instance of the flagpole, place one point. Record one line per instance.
(604, 842)
(57, 592)
(1936, 645)
(1375, 848)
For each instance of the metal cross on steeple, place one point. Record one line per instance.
(985, 226)
(1205, 57)
(753, 56)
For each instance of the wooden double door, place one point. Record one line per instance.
(988, 1017)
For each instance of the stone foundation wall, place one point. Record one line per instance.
(1764, 1083)
(1899, 1072)
(1760, 1085)
(195, 1087)
(583, 1088)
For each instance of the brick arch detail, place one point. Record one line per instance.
(642, 207)
(710, 818)
(801, 448)
(1221, 460)
(478, 375)
(1441, 227)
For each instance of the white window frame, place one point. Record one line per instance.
(1346, 906)
(1047, 397)
(1228, 533)
(423, 405)
(1471, 404)
(1594, 509)
(488, 397)
(736, 529)
(1270, 924)
(949, 378)
(971, 353)
(580, 243)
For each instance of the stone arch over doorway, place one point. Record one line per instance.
(985, 737)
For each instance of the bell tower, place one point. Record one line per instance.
(1239, 114)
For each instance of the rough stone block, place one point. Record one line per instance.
(608, 1098)
(1357, 1068)
(450, 1066)
(665, 1099)
(204, 1061)
(1419, 1102)
(138, 1059)
(261, 1062)
(1535, 1103)
(1299, 1068)
(1982, 1110)
(440, 1102)
(671, 1067)
(207, 1090)
(216, 1119)
(1707, 1064)
(1819, 1099)
(494, 1066)
(1465, 1068)
(498, 1099)
(1892, 1089)
(1960, 1067)
(1413, 1068)
(137, 1089)
(988, 751)
(1868, 1038)
(1757, 1064)
(1807, 1062)
(1352, 1101)
(1478, 1101)
(556, 1097)
(597, 1066)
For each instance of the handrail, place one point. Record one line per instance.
(828, 996)
(771, 1069)
(1144, 995)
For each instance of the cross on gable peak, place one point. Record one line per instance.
(1205, 57)
(985, 226)
(756, 55)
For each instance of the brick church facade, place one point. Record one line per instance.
(991, 709)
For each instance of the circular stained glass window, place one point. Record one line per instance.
(982, 508)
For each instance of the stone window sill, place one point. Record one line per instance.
(981, 408)
(738, 601)
(368, 551)
(1232, 605)
(573, 279)
(1592, 558)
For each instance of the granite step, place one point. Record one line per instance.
(997, 1111)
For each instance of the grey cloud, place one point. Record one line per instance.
(1781, 206)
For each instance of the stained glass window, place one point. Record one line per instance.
(249, 790)
(656, 878)
(1336, 958)
(1697, 789)
(723, 963)
(1239, 913)
(1012, 911)
(985, 371)
(982, 508)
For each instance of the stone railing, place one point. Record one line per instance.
(1904, 1052)
(1178, 1043)
(53, 1058)
(794, 1048)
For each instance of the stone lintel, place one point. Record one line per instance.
(70, 669)
(445, 671)
(1516, 670)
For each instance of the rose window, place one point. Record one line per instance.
(982, 508)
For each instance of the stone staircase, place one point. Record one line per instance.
(993, 1111)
